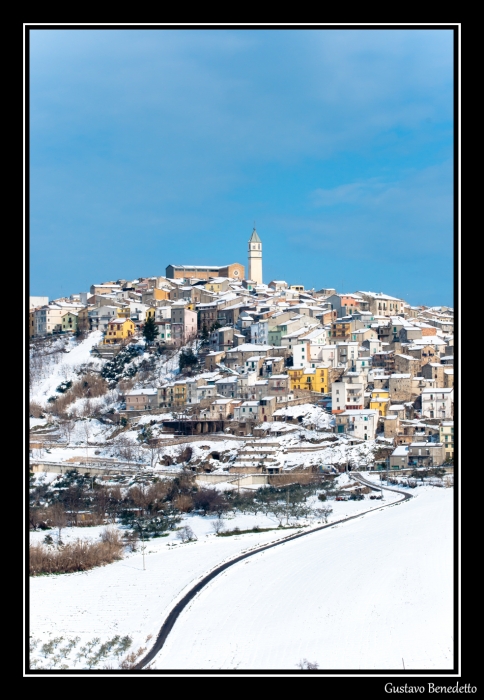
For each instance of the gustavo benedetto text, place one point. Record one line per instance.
(430, 688)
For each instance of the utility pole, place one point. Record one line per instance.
(143, 546)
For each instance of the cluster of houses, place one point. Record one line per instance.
(379, 365)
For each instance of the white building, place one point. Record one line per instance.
(347, 353)
(100, 316)
(324, 353)
(360, 424)
(48, 319)
(198, 389)
(437, 403)
(301, 355)
(259, 332)
(37, 301)
(347, 396)
(248, 410)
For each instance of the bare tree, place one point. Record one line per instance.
(186, 534)
(66, 427)
(124, 448)
(154, 452)
(218, 526)
(87, 429)
(58, 518)
(323, 512)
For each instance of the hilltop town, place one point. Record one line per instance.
(245, 357)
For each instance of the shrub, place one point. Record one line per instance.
(63, 387)
(186, 534)
(187, 359)
(77, 556)
(35, 410)
(308, 664)
(183, 502)
(218, 526)
(210, 501)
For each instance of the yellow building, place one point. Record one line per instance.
(446, 437)
(310, 379)
(160, 294)
(124, 311)
(217, 284)
(174, 395)
(380, 401)
(118, 330)
(150, 313)
(31, 323)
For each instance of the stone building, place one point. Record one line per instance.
(204, 272)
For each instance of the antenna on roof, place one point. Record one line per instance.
(254, 224)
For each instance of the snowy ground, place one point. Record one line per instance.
(373, 593)
(51, 368)
(58, 369)
(327, 453)
(123, 599)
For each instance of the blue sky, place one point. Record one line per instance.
(151, 147)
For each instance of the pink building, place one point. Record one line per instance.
(183, 325)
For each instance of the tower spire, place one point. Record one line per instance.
(255, 257)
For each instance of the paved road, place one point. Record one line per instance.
(179, 607)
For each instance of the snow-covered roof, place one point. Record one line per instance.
(379, 295)
(247, 347)
(437, 390)
(425, 444)
(227, 380)
(145, 392)
(429, 340)
(360, 412)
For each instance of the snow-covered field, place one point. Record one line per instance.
(377, 578)
(123, 599)
(373, 593)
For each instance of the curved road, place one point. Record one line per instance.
(179, 607)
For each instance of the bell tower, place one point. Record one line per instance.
(255, 257)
